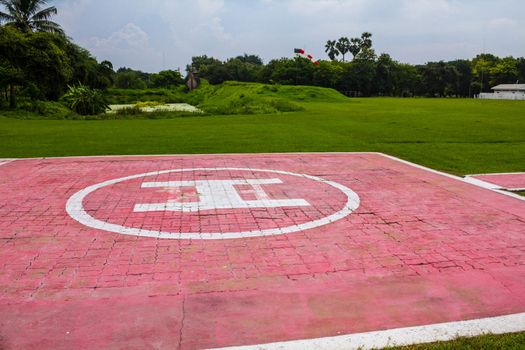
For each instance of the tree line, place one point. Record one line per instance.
(368, 74)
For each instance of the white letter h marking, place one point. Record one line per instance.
(219, 194)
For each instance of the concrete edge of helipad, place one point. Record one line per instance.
(490, 185)
(402, 336)
(466, 179)
(489, 174)
(5, 161)
(481, 183)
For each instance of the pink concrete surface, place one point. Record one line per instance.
(422, 248)
(504, 181)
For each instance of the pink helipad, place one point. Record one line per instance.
(214, 251)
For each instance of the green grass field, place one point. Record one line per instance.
(514, 341)
(455, 135)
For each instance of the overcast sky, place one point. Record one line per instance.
(152, 35)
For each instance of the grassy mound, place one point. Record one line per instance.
(255, 98)
(229, 98)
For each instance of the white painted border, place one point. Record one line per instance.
(491, 185)
(489, 174)
(402, 336)
(481, 183)
(75, 209)
(6, 161)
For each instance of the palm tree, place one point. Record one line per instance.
(343, 46)
(331, 50)
(366, 40)
(29, 16)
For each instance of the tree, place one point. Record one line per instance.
(408, 79)
(363, 73)
(328, 74)
(209, 68)
(28, 16)
(86, 69)
(199, 63)
(505, 71)
(439, 79)
(520, 63)
(296, 71)
(343, 46)
(127, 78)
(105, 75)
(464, 77)
(252, 59)
(366, 40)
(331, 50)
(166, 79)
(386, 75)
(481, 67)
(355, 46)
(34, 63)
(366, 54)
(242, 70)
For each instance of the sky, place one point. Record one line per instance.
(152, 35)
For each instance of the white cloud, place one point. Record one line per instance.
(327, 8)
(214, 25)
(502, 23)
(423, 9)
(211, 7)
(129, 46)
(130, 36)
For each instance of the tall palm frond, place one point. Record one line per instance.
(29, 15)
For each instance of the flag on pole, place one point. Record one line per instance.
(302, 53)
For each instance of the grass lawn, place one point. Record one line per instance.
(455, 135)
(515, 341)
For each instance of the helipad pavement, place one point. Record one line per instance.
(226, 250)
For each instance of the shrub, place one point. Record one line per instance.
(85, 101)
(52, 110)
(148, 104)
(129, 111)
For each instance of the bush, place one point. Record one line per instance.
(85, 101)
(28, 109)
(148, 104)
(129, 111)
(52, 110)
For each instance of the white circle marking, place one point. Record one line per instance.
(75, 209)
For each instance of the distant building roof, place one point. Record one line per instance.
(509, 87)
